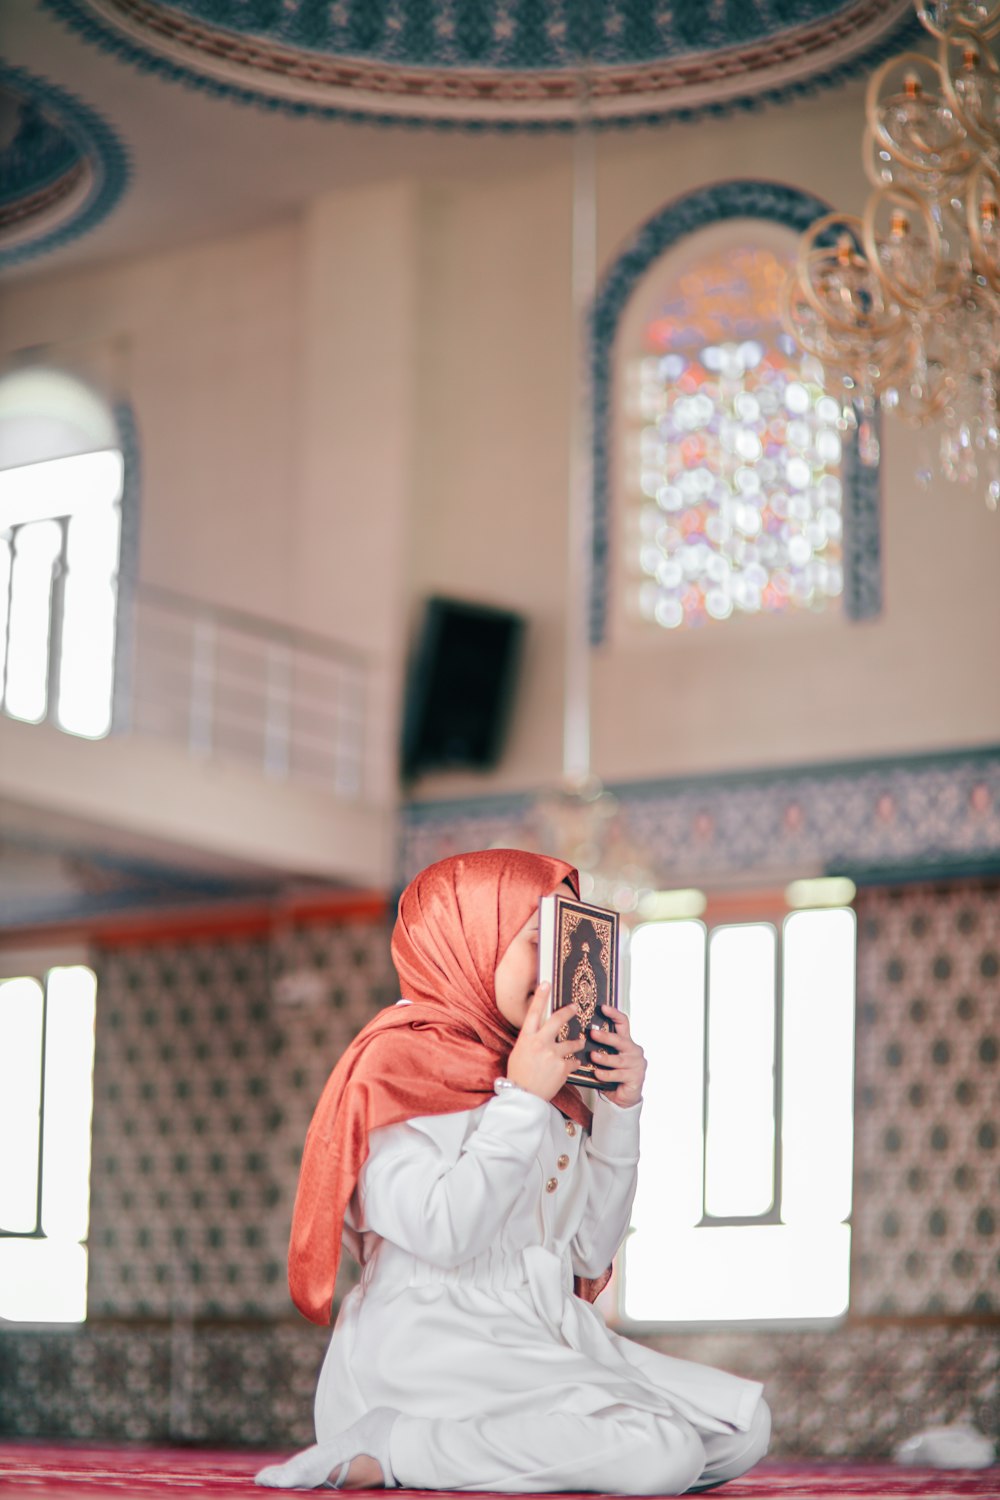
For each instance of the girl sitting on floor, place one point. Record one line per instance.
(473, 1184)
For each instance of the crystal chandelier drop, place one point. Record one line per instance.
(903, 304)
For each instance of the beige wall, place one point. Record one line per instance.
(271, 378)
(346, 412)
(747, 692)
(202, 343)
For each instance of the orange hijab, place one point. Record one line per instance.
(437, 1056)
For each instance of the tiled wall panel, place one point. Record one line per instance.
(927, 1194)
(854, 1391)
(850, 1392)
(205, 1083)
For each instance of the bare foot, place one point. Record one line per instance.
(364, 1474)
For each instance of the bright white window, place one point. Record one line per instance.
(61, 483)
(742, 1210)
(46, 1097)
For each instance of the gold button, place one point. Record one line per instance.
(562, 1163)
(551, 1185)
(570, 1128)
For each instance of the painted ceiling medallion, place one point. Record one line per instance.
(62, 168)
(495, 63)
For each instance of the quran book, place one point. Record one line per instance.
(578, 955)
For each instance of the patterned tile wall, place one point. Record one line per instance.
(854, 1391)
(237, 1386)
(927, 1151)
(204, 1086)
(939, 811)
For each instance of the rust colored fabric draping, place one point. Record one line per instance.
(438, 1055)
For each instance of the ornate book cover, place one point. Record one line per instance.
(578, 955)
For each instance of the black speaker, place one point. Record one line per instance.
(460, 686)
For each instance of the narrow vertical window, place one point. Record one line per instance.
(669, 1017)
(22, 1009)
(739, 1116)
(87, 647)
(818, 1052)
(46, 1097)
(36, 549)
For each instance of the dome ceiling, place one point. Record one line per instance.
(494, 63)
(62, 169)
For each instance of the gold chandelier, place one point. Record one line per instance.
(903, 304)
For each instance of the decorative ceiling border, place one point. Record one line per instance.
(71, 201)
(256, 70)
(741, 198)
(898, 817)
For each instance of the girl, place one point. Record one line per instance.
(472, 1184)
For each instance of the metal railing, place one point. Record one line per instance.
(230, 683)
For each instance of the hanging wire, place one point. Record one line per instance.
(583, 284)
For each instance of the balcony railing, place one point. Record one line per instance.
(217, 681)
(227, 683)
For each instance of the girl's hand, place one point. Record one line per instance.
(625, 1065)
(539, 1062)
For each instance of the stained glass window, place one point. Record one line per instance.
(733, 453)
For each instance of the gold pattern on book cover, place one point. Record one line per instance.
(583, 985)
(602, 927)
(584, 991)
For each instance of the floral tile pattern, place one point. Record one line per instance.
(926, 1236)
(204, 1085)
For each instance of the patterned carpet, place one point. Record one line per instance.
(49, 1472)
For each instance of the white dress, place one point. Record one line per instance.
(469, 1228)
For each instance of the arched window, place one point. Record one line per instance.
(726, 475)
(62, 476)
(731, 472)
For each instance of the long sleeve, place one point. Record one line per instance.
(613, 1157)
(446, 1208)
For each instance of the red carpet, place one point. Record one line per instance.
(50, 1472)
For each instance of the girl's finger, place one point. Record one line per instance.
(557, 1020)
(614, 1075)
(535, 1015)
(620, 1019)
(621, 1050)
(625, 1046)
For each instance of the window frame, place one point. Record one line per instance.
(762, 201)
(724, 910)
(665, 275)
(122, 422)
(37, 964)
